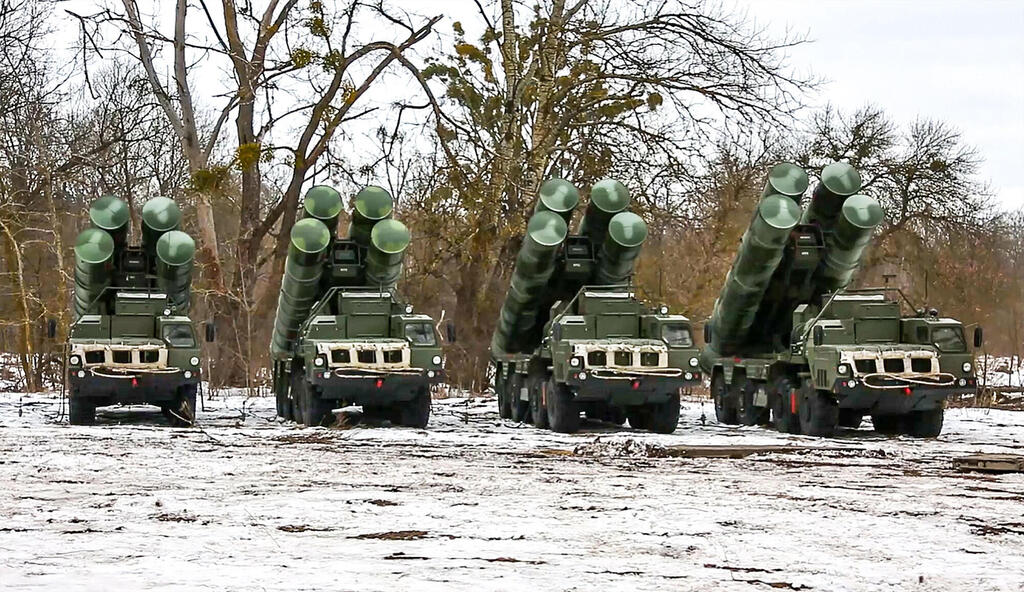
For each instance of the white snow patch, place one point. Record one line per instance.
(247, 502)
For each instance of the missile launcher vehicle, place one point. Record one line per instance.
(131, 339)
(342, 336)
(573, 337)
(789, 343)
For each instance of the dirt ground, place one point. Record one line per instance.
(246, 502)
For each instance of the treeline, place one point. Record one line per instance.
(234, 110)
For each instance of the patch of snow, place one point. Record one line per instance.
(248, 502)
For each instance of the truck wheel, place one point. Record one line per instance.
(664, 417)
(181, 413)
(819, 413)
(311, 409)
(639, 417)
(850, 418)
(748, 413)
(783, 401)
(81, 410)
(538, 410)
(890, 425)
(504, 399)
(563, 412)
(726, 409)
(924, 424)
(415, 413)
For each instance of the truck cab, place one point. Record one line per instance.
(134, 350)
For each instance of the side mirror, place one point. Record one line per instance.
(707, 332)
(979, 337)
(556, 331)
(51, 328)
(818, 335)
(211, 331)
(449, 332)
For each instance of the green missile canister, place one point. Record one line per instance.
(175, 253)
(786, 179)
(94, 253)
(622, 244)
(545, 232)
(324, 204)
(300, 287)
(110, 214)
(159, 215)
(388, 241)
(839, 181)
(759, 255)
(845, 245)
(607, 198)
(558, 196)
(371, 205)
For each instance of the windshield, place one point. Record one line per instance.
(949, 339)
(677, 335)
(179, 336)
(420, 334)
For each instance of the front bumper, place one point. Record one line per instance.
(128, 387)
(363, 388)
(624, 390)
(897, 397)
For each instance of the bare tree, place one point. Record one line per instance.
(295, 73)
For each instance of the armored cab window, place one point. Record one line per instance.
(179, 336)
(949, 339)
(677, 335)
(420, 334)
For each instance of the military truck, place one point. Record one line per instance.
(573, 336)
(342, 334)
(789, 343)
(131, 340)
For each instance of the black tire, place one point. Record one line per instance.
(850, 418)
(726, 408)
(784, 401)
(664, 417)
(181, 413)
(890, 425)
(415, 413)
(538, 410)
(81, 410)
(311, 410)
(819, 412)
(924, 424)
(749, 414)
(504, 398)
(563, 413)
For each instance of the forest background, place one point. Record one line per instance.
(235, 108)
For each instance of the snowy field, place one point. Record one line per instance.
(476, 503)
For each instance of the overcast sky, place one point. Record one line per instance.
(959, 61)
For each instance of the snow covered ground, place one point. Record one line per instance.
(477, 503)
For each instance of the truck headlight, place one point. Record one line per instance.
(663, 309)
(81, 373)
(436, 360)
(74, 360)
(842, 369)
(319, 361)
(188, 374)
(575, 362)
(430, 374)
(688, 376)
(408, 309)
(583, 375)
(194, 360)
(967, 366)
(693, 362)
